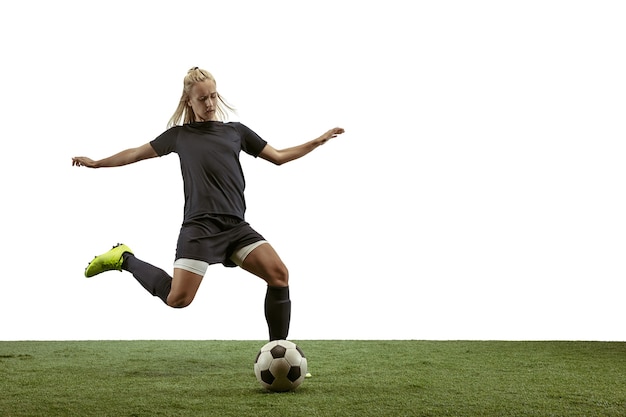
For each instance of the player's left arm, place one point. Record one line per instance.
(282, 156)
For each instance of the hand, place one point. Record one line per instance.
(83, 161)
(332, 133)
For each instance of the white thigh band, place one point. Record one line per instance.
(240, 254)
(191, 265)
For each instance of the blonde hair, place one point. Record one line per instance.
(184, 112)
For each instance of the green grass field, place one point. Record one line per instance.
(350, 378)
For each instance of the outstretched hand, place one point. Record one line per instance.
(332, 133)
(83, 161)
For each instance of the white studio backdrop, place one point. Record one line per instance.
(478, 192)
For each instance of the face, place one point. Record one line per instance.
(203, 100)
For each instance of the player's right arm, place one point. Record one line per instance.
(128, 156)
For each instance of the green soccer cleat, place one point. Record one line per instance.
(108, 261)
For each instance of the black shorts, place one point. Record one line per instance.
(214, 239)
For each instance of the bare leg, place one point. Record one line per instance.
(185, 285)
(265, 263)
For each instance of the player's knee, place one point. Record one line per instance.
(279, 276)
(179, 300)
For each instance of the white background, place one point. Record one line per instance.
(478, 192)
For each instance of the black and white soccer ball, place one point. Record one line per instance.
(280, 366)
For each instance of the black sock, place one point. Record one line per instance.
(278, 312)
(155, 280)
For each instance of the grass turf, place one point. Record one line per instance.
(350, 378)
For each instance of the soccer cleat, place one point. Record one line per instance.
(108, 261)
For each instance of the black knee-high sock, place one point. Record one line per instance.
(278, 312)
(155, 280)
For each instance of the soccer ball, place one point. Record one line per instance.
(280, 366)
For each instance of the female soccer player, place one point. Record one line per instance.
(213, 228)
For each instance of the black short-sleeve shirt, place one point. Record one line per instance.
(209, 161)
